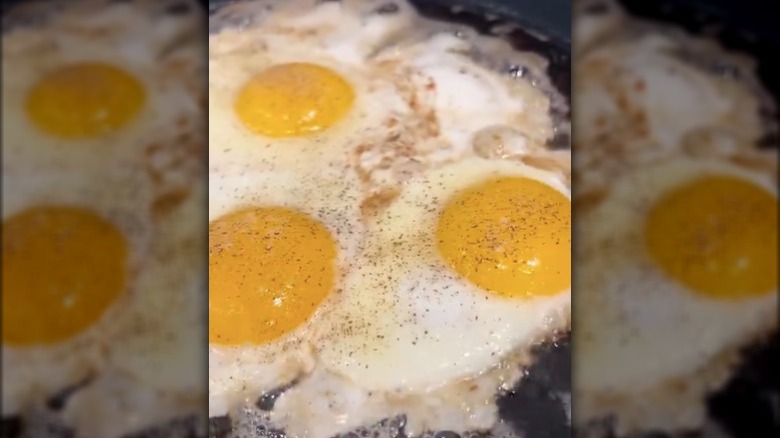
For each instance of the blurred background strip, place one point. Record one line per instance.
(103, 209)
(675, 238)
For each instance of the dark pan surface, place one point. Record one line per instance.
(539, 406)
(549, 19)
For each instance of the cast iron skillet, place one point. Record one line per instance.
(749, 404)
(537, 407)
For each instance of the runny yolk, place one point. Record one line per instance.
(296, 99)
(509, 236)
(269, 270)
(717, 236)
(62, 268)
(85, 100)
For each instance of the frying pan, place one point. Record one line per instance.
(747, 406)
(539, 406)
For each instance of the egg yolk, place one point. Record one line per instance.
(509, 236)
(62, 268)
(85, 100)
(269, 270)
(718, 236)
(290, 100)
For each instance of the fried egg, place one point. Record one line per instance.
(93, 92)
(277, 253)
(678, 270)
(471, 263)
(288, 100)
(71, 253)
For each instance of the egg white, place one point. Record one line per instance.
(332, 26)
(324, 404)
(643, 341)
(158, 346)
(157, 374)
(113, 405)
(638, 99)
(463, 97)
(169, 108)
(459, 105)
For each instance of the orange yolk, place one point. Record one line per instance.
(62, 268)
(509, 236)
(85, 100)
(717, 236)
(269, 270)
(290, 100)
